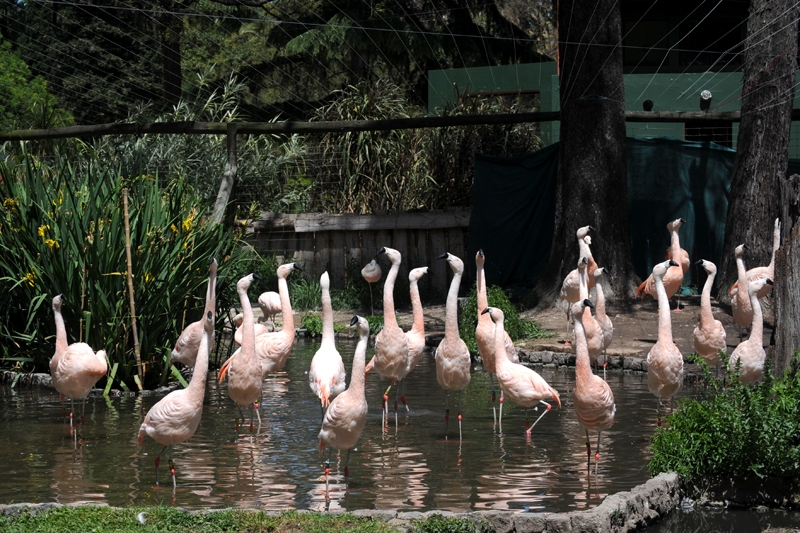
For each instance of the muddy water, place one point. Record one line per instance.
(415, 466)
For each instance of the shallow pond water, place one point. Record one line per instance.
(717, 520)
(413, 467)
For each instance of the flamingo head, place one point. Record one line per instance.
(284, 270)
(583, 232)
(246, 281)
(372, 272)
(415, 275)
(58, 300)
(708, 266)
(455, 263)
(578, 307)
(494, 313)
(739, 250)
(212, 266)
(393, 255)
(756, 285)
(675, 225)
(480, 258)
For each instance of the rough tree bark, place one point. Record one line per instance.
(592, 167)
(786, 335)
(762, 152)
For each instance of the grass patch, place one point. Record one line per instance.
(437, 523)
(734, 431)
(161, 519)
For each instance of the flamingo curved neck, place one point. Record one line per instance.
(357, 378)
(327, 318)
(675, 245)
(451, 310)
(416, 307)
(584, 250)
(600, 305)
(664, 319)
(248, 326)
(286, 307)
(500, 345)
(483, 298)
(583, 366)
(776, 243)
(211, 294)
(741, 274)
(389, 318)
(757, 326)
(706, 316)
(197, 386)
(61, 333)
(583, 286)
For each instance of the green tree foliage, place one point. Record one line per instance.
(24, 99)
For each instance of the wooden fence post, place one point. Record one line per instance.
(229, 177)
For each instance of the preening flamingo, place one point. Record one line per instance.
(243, 368)
(709, 334)
(452, 355)
(391, 344)
(765, 271)
(416, 335)
(484, 334)
(174, 419)
(751, 352)
(74, 368)
(371, 273)
(270, 304)
(592, 397)
(674, 276)
(524, 386)
(259, 329)
(273, 348)
(326, 376)
(741, 308)
(664, 361)
(345, 418)
(188, 342)
(603, 320)
(570, 287)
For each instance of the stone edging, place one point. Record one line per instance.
(552, 359)
(621, 512)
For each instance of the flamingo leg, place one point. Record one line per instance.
(346, 469)
(71, 412)
(396, 394)
(494, 409)
(241, 417)
(597, 452)
(566, 342)
(386, 404)
(459, 415)
(321, 412)
(502, 400)
(328, 467)
(588, 454)
(172, 469)
(658, 412)
(546, 410)
(83, 410)
(371, 305)
(403, 395)
(446, 412)
(158, 461)
(605, 362)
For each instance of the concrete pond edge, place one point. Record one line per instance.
(621, 512)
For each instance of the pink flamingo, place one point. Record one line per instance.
(603, 320)
(345, 418)
(188, 342)
(570, 287)
(664, 361)
(74, 368)
(371, 273)
(763, 272)
(273, 348)
(259, 329)
(243, 368)
(391, 343)
(750, 353)
(592, 397)
(523, 385)
(416, 335)
(452, 355)
(485, 332)
(594, 333)
(740, 303)
(327, 376)
(270, 304)
(674, 276)
(174, 419)
(709, 334)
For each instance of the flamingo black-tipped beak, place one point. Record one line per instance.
(608, 277)
(769, 282)
(745, 246)
(699, 262)
(588, 303)
(295, 266)
(354, 321)
(63, 296)
(672, 263)
(682, 221)
(211, 262)
(381, 251)
(443, 256)
(255, 276)
(486, 310)
(591, 228)
(480, 252)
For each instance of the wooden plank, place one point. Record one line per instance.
(273, 221)
(310, 222)
(355, 255)
(304, 255)
(439, 269)
(456, 244)
(322, 253)
(338, 262)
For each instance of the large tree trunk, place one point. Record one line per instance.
(786, 335)
(762, 151)
(592, 167)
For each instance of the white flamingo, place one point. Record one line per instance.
(326, 377)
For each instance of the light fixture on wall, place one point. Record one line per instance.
(647, 105)
(705, 100)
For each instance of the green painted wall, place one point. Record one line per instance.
(669, 92)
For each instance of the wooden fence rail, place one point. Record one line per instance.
(336, 243)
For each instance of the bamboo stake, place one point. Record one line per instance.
(130, 292)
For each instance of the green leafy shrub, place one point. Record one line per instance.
(516, 327)
(62, 230)
(375, 324)
(305, 292)
(437, 523)
(312, 324)
(735, 431)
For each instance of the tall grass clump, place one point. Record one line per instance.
(516, 327)
(736, 431)
(62, 230)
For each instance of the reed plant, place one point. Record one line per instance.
(62, 230)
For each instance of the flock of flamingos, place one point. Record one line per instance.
(75, 368)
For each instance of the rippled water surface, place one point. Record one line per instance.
(414, 467)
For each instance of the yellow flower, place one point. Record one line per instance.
(173, 228)
(42, 229)
(9, 202)
(187, 224)
(147, 277)
(30, 277)
(51, 243)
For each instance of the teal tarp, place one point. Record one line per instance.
(514, 209)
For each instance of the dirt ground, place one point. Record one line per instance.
(635, 325)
